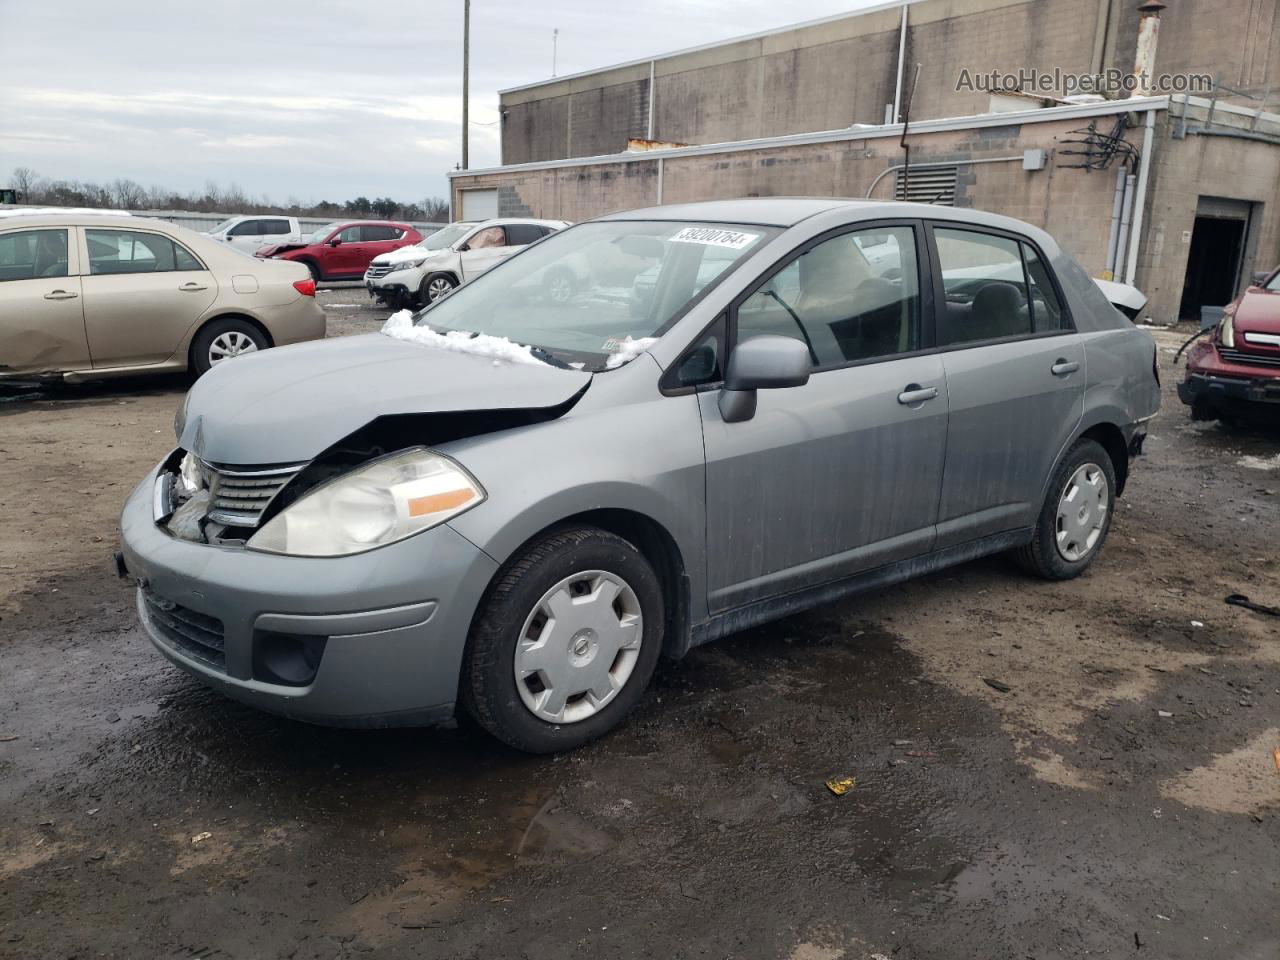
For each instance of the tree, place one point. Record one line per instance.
(24, 181)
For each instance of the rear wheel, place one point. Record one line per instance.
(435, 286)
(223, 339)
(1076, 515)
(565, 642)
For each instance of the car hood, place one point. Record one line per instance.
(273, 249)
(405, 254)
(1258, 311)
(289, 404)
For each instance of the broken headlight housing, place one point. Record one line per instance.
(381, 502)
(1227, 330)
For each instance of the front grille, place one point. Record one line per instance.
(239, 495)
(377, 270)
(196, 635)
(1249, 359)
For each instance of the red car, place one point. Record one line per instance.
(1237, 367)
(342, 250)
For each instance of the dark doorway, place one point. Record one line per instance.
(1213, 264)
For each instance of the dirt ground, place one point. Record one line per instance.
(1121, 799)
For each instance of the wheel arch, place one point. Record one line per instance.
(1111, 438)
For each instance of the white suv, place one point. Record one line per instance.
(427, 271)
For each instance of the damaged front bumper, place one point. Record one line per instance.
(1208, 389)
(374, 639)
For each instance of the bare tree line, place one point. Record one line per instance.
(124, 194)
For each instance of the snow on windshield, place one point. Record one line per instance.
(628, 350)
(400, 325)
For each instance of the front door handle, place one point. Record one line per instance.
(192, 287)
(61, 295)
(914, 393)
(1062, 368)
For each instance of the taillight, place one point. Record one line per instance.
(305, 287)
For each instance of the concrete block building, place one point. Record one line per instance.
(1173, 187)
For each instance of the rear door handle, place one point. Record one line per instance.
(61, 295)
(192, 287)
(914, 393)
(1062, 368)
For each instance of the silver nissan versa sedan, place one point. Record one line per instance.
(517, 504)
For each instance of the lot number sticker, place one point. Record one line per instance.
(716, 237)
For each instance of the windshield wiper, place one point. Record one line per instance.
(546, 356)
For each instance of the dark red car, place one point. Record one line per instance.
(1237, 367)
(342, 250)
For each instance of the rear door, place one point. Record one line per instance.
(485, 249)
(1015, 378)
(379, 239)
(142, 293)
(41, 307)
(842, 474)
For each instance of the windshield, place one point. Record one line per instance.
(328, 228)
(445, 236)
(582, 293)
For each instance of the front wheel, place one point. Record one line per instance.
(436, 286)
(565, 642)
(1076, 515)
(223, 339)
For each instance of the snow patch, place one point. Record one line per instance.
(400, 325)
(628, 350)
(1261, 463)
(403, 254)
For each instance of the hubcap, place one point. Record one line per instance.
(1082, 512)
(578, 646)
(437, 289)
(230, 344)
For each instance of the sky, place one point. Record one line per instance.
(308, 101)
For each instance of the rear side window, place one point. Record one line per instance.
(128, 251)
(853, 297)
(1046, 308)
(274, 227)
(521, 234)
(373, 234)
(31, 254)
(985, 287)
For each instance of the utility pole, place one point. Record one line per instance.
(466, 79)
(555, 37)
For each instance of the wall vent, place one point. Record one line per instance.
(936, 185)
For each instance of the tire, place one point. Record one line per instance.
(222, 339)
(314, 268)
(435, 286)
(1064, 547)
(507, 638)
(559, 286)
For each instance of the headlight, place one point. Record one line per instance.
(408, 264)
(1227, 331)
(382, 502)
(190, 476)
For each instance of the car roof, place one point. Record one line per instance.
(26, 221)
(788, 211)
(533, 220)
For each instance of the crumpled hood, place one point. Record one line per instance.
(1258, 311)
(288, 404)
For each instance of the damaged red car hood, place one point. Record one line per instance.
(1258, 311)
(288, 404)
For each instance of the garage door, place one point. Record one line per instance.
(479, 204)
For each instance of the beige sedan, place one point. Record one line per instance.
(84, 296)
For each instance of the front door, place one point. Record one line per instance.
(485, 250)
(41, 307)
(142, 293)
(348, 257)
(1015, 377)
(843, 474)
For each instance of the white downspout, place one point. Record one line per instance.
(653, 69)
(1113, 239)
(1135, 232)
(902, 53)
(660, 171)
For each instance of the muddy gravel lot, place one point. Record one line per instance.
(1120, 798)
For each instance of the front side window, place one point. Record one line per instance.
(247, 228)
(986, 289)
(128, 251)
(31, 254)
(350, 235)
(590, 291)
(853, 297)
(322, 234)
(489, 237)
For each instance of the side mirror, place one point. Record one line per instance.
(335, 241)
(464, 247)
(1258, 279)
(766, 362)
